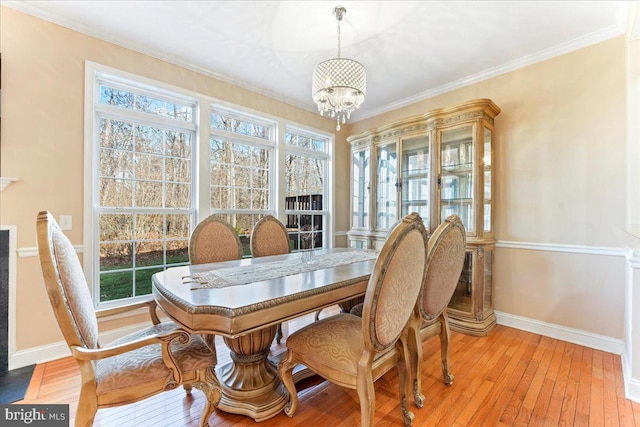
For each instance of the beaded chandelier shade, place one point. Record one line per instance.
(339, 84)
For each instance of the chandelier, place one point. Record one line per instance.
(339, 84)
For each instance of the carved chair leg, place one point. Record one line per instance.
(414, 348)
(208, 383)
(86, 411)
(285, 372)
(404, 381)
(445, 338)
(279, 333)
(366, 395)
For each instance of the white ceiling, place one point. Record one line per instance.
(411, 49)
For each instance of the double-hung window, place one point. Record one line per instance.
(241, 157)
(158, 159)
(143, 207)
(306, 172)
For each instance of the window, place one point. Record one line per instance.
(144, 146)
(306, 170)
(241, 156)
(152, 174)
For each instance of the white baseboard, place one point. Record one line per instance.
(58, 350)
(575, 336)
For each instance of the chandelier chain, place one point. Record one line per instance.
(339, 38)
(339, 84)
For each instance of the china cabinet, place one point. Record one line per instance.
(436, 164)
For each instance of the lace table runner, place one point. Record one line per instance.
(233, 276)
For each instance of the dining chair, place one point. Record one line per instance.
(445, 259)
(139, 365)
(269, 237)
(354, 352)
(214, 240)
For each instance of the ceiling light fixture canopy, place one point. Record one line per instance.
(339, 84)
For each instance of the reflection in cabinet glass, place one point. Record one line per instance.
(386, 191)
(436, 164)
(456, 195)
(486, 160)
(415, 177)
(360, 188)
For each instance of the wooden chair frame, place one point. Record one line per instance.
(259, 250)
(384, 343)
(445, 259)
(72, 314)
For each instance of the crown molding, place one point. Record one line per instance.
(33, 10)
(596, 37)
(581, 42)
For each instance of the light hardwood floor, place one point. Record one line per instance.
(510, 378)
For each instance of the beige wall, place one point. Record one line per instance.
(560, 180)
(560, 151)
(42, 139)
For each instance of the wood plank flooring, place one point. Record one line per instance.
(509, 378)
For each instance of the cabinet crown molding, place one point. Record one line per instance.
(478, 108)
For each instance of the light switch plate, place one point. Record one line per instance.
(66, 222)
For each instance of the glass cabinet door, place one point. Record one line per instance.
(386, 186)
(461, 299)
(416, 177)
(361, 164)
(457, 183)
(486, 160)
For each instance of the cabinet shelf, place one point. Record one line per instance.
(436, 164)
(458, 168)
(462, 200)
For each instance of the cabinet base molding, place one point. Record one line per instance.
(472, 327)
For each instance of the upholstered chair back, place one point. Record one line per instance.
(214, 240)
(138, 365)
(446, 253)
(66, 284)
(269, 237)
(395, 283)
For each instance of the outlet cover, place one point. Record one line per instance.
(66, 222)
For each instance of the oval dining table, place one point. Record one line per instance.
(244, 301)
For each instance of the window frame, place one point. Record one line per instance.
(224, 135)
(200, 166)
(327, 194)
(95, 76)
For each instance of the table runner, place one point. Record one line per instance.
(233, 276)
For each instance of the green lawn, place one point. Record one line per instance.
(119, 284)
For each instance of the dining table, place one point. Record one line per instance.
(244, 300)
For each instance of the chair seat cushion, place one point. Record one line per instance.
(335, 340)
(145, 364)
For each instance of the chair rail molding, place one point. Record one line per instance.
(554, 247)
(33, 251)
